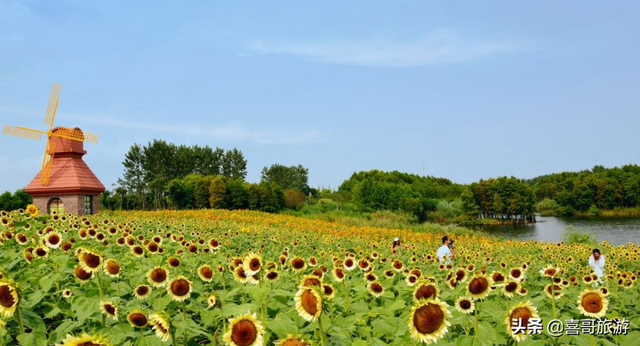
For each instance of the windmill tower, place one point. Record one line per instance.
(65, 182)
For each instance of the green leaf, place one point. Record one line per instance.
(282, 325)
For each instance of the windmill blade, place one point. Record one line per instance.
(22, 132)
(47, 163)
(76, 135)
(50, 115)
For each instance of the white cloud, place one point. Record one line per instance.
(440, 47)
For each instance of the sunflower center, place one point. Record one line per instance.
(6, 298)
(511, 287)
(180, 287)
(244, 333)
(478, 285)
(158, 275)
(113, 268)
(82, 274)
(142, 290)
(498, 277)
(110, 309)
(272, 275)
(294, 342)
(425, 292)
(206, 272)
(465, 304)
(254, 264)
(428, 318)
(521, 313)
(91, 260)
(297, 263)
(54, 239)
(376, 287)
(592, 303)
(138, 319)
(309, 302)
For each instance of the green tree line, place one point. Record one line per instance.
(597, 189)
(17, 200)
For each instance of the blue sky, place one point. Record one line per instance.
(458, 89)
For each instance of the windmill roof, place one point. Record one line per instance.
(69, 175)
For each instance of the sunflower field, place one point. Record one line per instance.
(241, 278)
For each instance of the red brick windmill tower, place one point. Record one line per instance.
(65, 183)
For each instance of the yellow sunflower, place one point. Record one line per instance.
(308, 303)
(244, 330)
(375, 288)
(142, 291)
(9, 299)
(212, 300)
(137, 319)
(158, 276)
(428, 320)
(112, 268)
(592, 303)
(425, 290)
(549, 271)
(292, 340)
(465, 305)
(479, 286)
(82, 275)
(179, 289)
(338, 274)
(160, 326)
(510, 288)
(32, 210)
(66, 293)
(206, 273)
(239, 274)
(272, 276)
(252, 264)
(297, 264)
(521, 312)
(89, 260)
(109, 309)
(82, 340)
(553, 291)
(53, 240)
(328, 291)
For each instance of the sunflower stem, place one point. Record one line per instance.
(173, 338)
(99, 283)
(184, 319)
(346, 296)
(19, 318)
(475, 325)
(321, 330)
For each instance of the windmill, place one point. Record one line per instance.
(61, 132)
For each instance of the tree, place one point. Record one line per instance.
(293, 177)
(134, 173)
(218, 193)
(201, 192)
(238, 194)
(293, 199)
(234, 165)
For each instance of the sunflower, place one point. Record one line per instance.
(497, 277)
(89, 260)
(9, 299)
(411, 279)
(521, 312)
(41, 251)
(349, 264)
(478, 287)
(465, 305)
(239, 274)
(592, 303)
(112, 268)
(516, 274)
(338, 274)
(244, 330)
(553, 291)
(549, 271)
(308, 303)
(173, 262)
(109, 309)
(22, 239)
(137, 251)
(82, 275)
(375, 288)
(66, 293)
(297, 264)
(32, 210)
(252, 264)
(272, 276)
(137, 319)
(206, 273)
(212, 300)
(142, 291)
(425, 290)
(510, 288)
(291, 340)
(160, 326)
(179, 288)
(158, 276)
(82, 340)
(428, 320)
(328, 291)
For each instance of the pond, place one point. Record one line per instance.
(616, 231)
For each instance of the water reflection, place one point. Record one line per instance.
(616, 231)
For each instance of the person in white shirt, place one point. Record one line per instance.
(444, 252)
(596, 261)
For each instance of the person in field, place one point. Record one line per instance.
(596, 261)
(445, 252)
(395, 245)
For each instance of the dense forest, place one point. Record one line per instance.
(588, 191)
